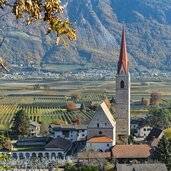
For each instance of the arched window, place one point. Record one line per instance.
(122, 84)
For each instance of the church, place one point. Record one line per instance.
(104, 131)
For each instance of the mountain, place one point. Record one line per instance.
(99, 25)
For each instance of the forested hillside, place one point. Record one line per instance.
(99, 25)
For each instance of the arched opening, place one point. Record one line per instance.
(21, 156)
(27, 155)
(14, 155)
(40, 155)
(33, 154)
(53, 156)
(100, 150)
(60, 155)
(122, 84)
(47, 155)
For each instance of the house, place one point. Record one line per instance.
(143, 131)
(136, 123)
(34, 128)
(70, 132)
(99, 143)
(59, 144)
(142, 167)
(40, 147)
(128, 152)
(101, 131)
(154, 133)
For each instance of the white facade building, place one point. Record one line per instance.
(69, 132)
(99, 143)
(101, 130)
(144, 131)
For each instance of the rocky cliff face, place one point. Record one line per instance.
(99, 25)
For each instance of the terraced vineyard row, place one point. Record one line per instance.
(45, 114)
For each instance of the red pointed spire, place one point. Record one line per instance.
(123, 59)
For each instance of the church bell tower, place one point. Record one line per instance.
(123, 95)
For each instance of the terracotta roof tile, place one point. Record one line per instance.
(131, 151)
(99, 139)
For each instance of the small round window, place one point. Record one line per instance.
(100, 132)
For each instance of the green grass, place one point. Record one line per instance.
(29, 148)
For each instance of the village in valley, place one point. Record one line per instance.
(82, 91)
(102, 134)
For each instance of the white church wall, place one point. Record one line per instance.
(98, 146)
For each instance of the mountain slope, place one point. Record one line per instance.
(99, 25)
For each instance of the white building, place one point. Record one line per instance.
(99, 143)
(101, 130)
(34, 128)
(144, 131)
(69, 132)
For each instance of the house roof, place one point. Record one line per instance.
(59, 142)
(155, 142)
(141, 167)
(131, 151)
(107, 112)
(155, 133)
(99, 139)
(68, 127)
(93, 155)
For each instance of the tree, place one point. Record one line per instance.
(71, 167)
(113, 100)
(36, 87)
(163, 151)
(145, 101)
(167, 133)
(4, 158)
(44, 129)
(70, 106)
(75, 96)
(21, 123)
(155, 98)
(107, 102)
(5, 143)
(82, 107)
(58, 121)
(46, 87)
(158, 117)
(109, 166)
(47, 10)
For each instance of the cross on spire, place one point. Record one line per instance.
(123, 59)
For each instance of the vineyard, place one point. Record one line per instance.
(50, 104)
(42, 114)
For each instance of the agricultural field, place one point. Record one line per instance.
(48, 104)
